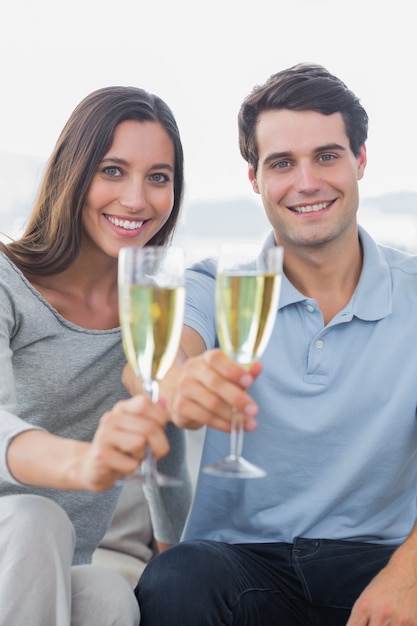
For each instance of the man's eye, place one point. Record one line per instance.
(281, 164)
(327, 157)
(112, 171)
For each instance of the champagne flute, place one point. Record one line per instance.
(247, 293)
(151, 308)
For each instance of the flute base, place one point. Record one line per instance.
(234, 467)
(149, 478)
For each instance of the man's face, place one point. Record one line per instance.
(307, 176)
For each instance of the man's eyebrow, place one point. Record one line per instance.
(276, 156)
(330, 146)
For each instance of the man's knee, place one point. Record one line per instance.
(193, 569)
(185, 585)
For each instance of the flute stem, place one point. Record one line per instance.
(149, 470)
(151, 387)
(236, 435)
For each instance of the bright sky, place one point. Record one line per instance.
(203, 58)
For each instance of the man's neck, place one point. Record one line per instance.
(328, 274)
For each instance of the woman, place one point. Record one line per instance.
(68, 427)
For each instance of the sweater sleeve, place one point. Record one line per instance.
(10, 424)
(169, 505)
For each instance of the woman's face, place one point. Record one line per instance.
(132, 192)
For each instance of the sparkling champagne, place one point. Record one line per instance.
(246, 306)
(151, 320)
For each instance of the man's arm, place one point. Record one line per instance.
(390, 599)
(203, 386)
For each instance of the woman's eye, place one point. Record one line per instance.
(159, 178)
(112, 171)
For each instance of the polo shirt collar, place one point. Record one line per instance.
(372, 298)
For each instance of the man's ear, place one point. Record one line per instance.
(361, 160)
(252, 178)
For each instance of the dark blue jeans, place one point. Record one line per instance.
(208, 583)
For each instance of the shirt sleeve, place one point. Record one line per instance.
(200, 295)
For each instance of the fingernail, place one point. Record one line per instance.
(251, 424)
(250, 410)
(246, 380)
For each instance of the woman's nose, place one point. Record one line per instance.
(133, 195)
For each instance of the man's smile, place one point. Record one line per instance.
(311, 208)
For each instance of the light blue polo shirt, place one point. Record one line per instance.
(337, 431)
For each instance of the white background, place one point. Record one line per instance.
(203, 58)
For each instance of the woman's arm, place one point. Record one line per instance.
(39, 458)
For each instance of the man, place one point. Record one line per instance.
(327, 537)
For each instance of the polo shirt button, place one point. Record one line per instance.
(310, 308)
(319, 344)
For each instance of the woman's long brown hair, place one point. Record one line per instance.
(51, 241)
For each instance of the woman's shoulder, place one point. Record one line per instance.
(10, 274)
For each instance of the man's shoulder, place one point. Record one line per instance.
(205, 267)
(399, 259)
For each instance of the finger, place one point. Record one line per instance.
(117, 462)
(134, 443)
(137, 408)
(202, 405)
(128, 436)
(189, 414)
(158, 444)
(242, 375)
(207, 386)
(132, 383)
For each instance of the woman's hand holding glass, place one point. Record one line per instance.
(120, 443)
(151, 309)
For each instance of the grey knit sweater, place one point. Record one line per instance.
(60, 377)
